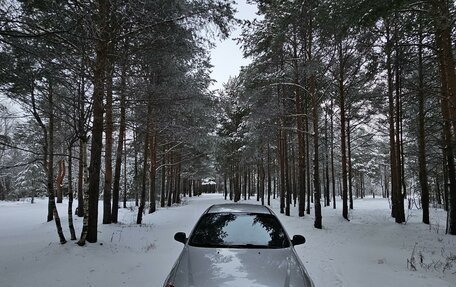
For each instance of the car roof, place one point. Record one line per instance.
(238, 208)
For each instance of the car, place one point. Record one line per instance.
(238, 245)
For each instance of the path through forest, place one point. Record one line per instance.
(370, 250)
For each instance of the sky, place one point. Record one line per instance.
(227, 57)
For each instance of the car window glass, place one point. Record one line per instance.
(239, 230)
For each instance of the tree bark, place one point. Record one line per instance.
(447, 136)
(343, 129)
(326, 157)
(163, 179)
(82, 160)
(45, 148)
(225, 186)
(97, 130)
(153, 170)
(308, 181)
(85, 190)
(333, 176)
(169, 181)
(349, 163)
(422, 135)
(59, 181)
(269, 175)
(120, 144)
(400, 212)
(178, 177)
(70, 192)
(50, 167)
(287, 177)
(300, 137)
(261, 175)
(443, 28)
(282, 168)
(394, 164)
(244, 184)
(107, 191)
(142, 203)
(125, 171)
(317, 193)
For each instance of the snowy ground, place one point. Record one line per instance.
(370, 250)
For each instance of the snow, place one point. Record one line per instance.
(370, 250)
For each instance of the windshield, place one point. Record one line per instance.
(243, 230)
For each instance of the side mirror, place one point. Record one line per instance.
(298, 239)
(181, 237)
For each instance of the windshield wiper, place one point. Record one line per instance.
(211, 245)
(249, 246)
(241, 246)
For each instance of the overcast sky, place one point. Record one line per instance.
(227, 56)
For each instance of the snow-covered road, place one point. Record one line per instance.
(370, 250)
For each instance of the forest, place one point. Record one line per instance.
(343, 99)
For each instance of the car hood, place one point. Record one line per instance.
(228, 267)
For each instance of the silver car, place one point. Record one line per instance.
(238, 245)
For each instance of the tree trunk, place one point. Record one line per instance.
(120, 140)
(317, 193)
(308, 181)
(287, 177)
(120, 144)
(333, 176)
(422, 135)
(249, 184)
(343, 137)
(444, 25)
(349, 164)
(448, 144)
(301, 148)
(237, 189)
(261, 175)
(107, 192)
(125, 172)
(80, 208)
(443, 28)
(244, 184)
(82, 136)
(136, 178)
(257, 186)
(400, 214)
(144, 181)
(152, 171)
(326, 156)
(269, 175)
(51, 167)
(163, 179)
(46, 148)
(394, 165)
(70, 192)
(293, 174)
(85, 192)
(59, 181)
(178, 178)
(97, 130)
(225, 185)
(169, 181)
(282, 168)
(445, 179)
